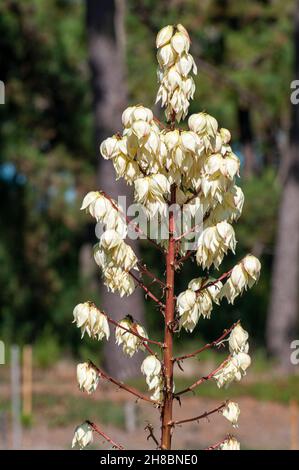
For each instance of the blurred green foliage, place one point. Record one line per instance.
(47, 158)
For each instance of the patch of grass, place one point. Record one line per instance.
(62, 411)
(27, 421)
(46, 351)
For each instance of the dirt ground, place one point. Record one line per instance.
(262, 425)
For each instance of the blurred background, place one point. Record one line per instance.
(69, 68)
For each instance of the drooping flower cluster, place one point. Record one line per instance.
(234, 369)
(176, 86)
(238, 340)
(89, 318)
(151, 368)
(116, 258)
(239, 361)
(106, 211)
(243, 275)
(197, 301)
(88, 377)
(214, 242)
(130, 342)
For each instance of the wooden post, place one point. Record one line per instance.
(130, 415)
(27, 380)
(16, 397)
(3, 430)
(294, 425)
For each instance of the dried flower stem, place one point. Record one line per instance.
(208, 345)
(201, 380)
(133, 332)
(146, 271)
(151, 435)
(197, 418)
(212, 283)
(146, 289)
(215, 446)
(102, 434)
(184, 258)
(132, 390)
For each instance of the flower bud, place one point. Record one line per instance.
(109, 148)
(232, 412)
(252, 266)
(238, 340)
(83, 436)
(164, 36)
(151, 366)
(180, 43)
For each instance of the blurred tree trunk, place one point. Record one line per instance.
(105, 26)
(246, 139)
(283, 313)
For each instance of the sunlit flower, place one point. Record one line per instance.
(88, 377)
(243, 275)
(230, 444)
(238, 340)
(89, 318)
(176, 86)
(130, 342)
(83, 436)
(231, 411)
(233, 369)
(213, 243)
(151, 368)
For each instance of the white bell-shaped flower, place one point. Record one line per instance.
(83, 436)
(89, 318)
(231, 412)
(88, 377)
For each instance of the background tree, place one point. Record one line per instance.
(283, 309)
(105, 26)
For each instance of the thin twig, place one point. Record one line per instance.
(160, 123)
(151, 435)
(201, 380)
(146, 271)
(102, 434)
(207, 346)
(184, 258)
(197, 418)
(197, 192)
(215, 446)
(146, 289)
(191, 230)
(122, 385)
(212, 283)
(133, 332)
